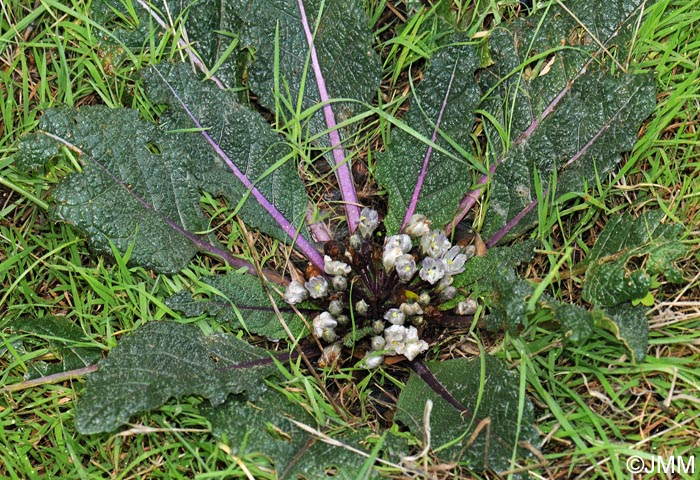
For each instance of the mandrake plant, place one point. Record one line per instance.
(541, 107)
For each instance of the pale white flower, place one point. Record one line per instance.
(414, 349)
(435, 244)
(395, 316)
(361, 307)
(402, 241)
(454, 261)
(405, 267)
(340, 283)
(411, 309)
(413, 346)
(373, 361)
(335, 267)
(378, 343)
(369, 221)
(417, 226)
(467, 307)
(432, 271)
(389, 257)
(335, 308)
(295, 293)
(317, 286)
(395, 337)
(322, 322)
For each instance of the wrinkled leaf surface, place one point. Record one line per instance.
(495, 411)
(264, 426)
(448, 92)
(166, 359)
(240, 299)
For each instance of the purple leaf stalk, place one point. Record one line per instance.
(411, 209)
(301, 243)
(345, 181)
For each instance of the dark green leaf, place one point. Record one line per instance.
(492, 433)
(141, 185)
(69, 340)
(344, 46)
(448, 84)
(628, 253)
(630, 325)
(207, 31)
(264, 425)
(240, 299)
(566, 114)
(163, 360)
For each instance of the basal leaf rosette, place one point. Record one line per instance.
(381, 292)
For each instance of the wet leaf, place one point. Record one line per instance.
(489, 431)
(166, 359)
(240, 299)
(68, 339)
(416, 175)
(265, 425)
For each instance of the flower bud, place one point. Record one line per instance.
(335, 308)
(361, 307)
(467, 307)
(373, 361)
(417, 226)
(295, 293)
(335, 267)
(369, 221)
(340, 283)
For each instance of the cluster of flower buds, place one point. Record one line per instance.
(384, 287)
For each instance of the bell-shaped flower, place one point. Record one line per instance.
(435, 244)
(417, 226)
(395, 316)
(433, 270)
(335, 267)
(369, 221)
(317, 286)
(322, 322)
(405, 267)
(395, 337)
(389, 257)
(295, 293)
(413, 346)
(373, 361)
(402, 241)
(340, 283)
(454, 261)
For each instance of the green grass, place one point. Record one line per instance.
(594, 407)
